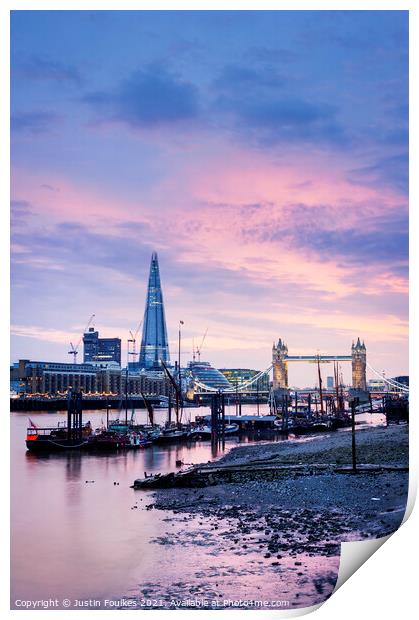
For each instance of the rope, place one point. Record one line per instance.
(61, 445)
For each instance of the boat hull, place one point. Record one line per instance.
(205, 433)
(171, 437)
(44, 446)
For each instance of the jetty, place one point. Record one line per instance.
(200, 476)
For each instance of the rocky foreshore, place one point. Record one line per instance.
(374, 445)
(377, 450)
(307, 511)
(373, 500)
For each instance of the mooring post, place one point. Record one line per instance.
(69, 412)
(370, 399)
(353, 406)
(79, 407)
(214, 418)
(287, 412)
(223, 418)
(237, 398)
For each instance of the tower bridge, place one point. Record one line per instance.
(281, 359)
(279, 365)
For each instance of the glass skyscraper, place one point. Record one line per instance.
(154, 343)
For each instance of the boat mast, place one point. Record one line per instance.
(336, 373)
(175, 387)
(180, 379)
(126, 386)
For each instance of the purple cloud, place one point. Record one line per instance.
(148, 98)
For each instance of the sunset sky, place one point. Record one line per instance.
(263, 155)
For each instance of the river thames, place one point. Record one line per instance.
(80, 532)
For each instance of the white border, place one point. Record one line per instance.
(386, 586)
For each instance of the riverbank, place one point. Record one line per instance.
(374, 445)
(294, 524)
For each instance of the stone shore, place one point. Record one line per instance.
(292, 526)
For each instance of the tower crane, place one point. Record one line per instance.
(198, 349)
(75, 349)
(132, 341)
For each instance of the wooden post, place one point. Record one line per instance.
(385, 409)
(214, 418)
(320, 386)
(237, 397)
(223, 419)
(286, 413)
(79, 405)
(69, 412)
(353, 405)
(257, 397)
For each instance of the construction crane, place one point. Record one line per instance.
(132, 341)
(198, 349)
(75, 349)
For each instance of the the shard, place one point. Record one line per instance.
(154, 344)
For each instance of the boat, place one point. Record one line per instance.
(108, 440)
(138, 440)
(311, 425)
(73, 436)
(341, 420)
(150, 432)
(281, 424)
(204, 431)
(172, 434)
(45, 440)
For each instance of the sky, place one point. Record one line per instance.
(262, 154)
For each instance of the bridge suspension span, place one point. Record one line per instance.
(391, 382)
(396, 385)
(239, 388)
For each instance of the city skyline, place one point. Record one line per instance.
(263, 156)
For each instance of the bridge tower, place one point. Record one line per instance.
(280, 365)
(359, 366)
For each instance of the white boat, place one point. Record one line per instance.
(204, 431)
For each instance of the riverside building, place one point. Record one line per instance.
(56, 378)
(97, 349)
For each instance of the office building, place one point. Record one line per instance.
(97, 349)
(154, 342)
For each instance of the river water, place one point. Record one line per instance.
(80, 532)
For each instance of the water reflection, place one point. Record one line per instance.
(75, 531)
